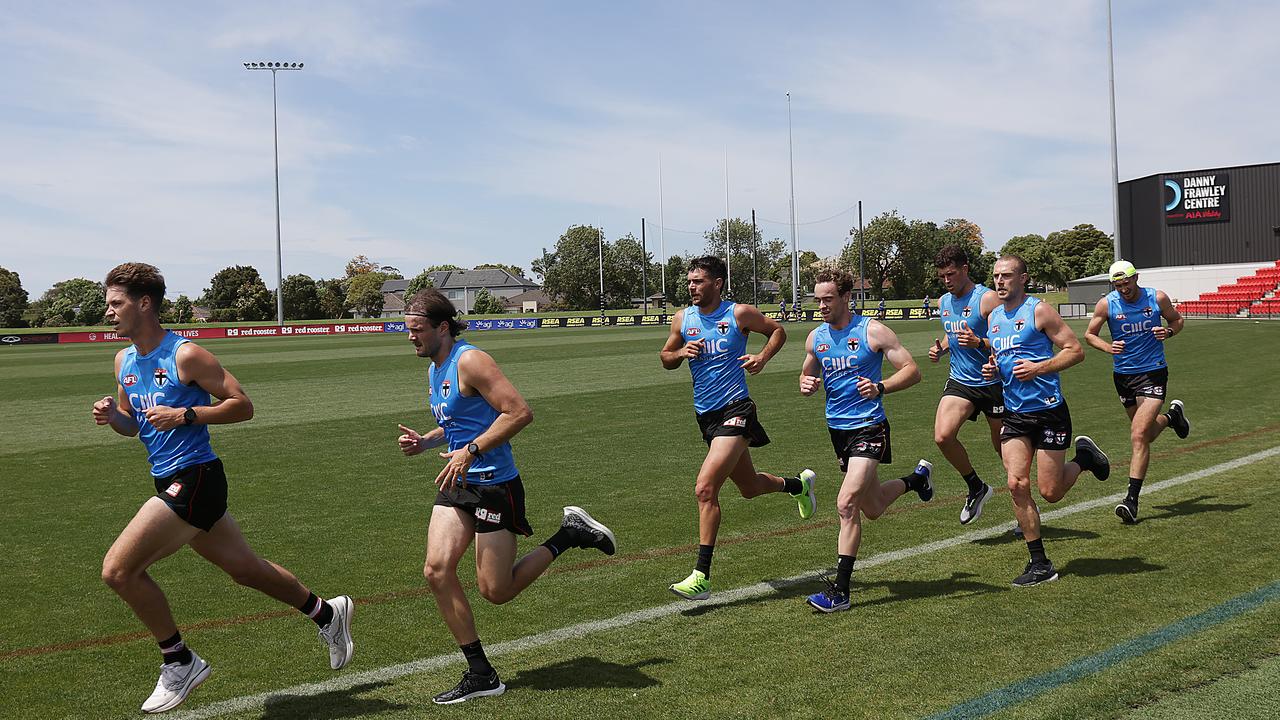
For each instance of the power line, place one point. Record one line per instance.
(829, 218)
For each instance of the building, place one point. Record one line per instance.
(1190, 231)
(460, 286)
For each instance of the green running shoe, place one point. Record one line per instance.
(807, 499)
(694, 587)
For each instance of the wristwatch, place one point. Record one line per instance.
(189, 416)
(474, 449)
(880, 389)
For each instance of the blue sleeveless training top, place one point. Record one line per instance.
(718, 377)
(1132, 323)
(846, 355)
(966, 363)
(1015, 337)
(152, 379)
(465, 418)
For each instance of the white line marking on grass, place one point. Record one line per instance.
(573, 632)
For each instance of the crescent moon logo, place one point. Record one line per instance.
(1177, 194)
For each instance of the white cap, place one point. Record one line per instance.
(1121, 269)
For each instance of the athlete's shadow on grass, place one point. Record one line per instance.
(1191, 506)
(1048, 532)
(586, 672)
(958, 584)
(782, 589)
(333, 705)
(1095, 567)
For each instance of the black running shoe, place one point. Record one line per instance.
(589, 532)
(1036, 573)
(471, 686)
(972, 509)
(1178, 419)
(1127, 510)
(1098, 462)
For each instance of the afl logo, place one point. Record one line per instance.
(947, 313)
(444, 389)
(967, 311)
(1119, 316)
(722, 327)
(161, 377)
(823, 347)
(995, 329)
(130, 380)
(1017, 324)
(694, 332)
(853, 344)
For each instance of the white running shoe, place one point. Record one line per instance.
(176, 683)
(337, 634)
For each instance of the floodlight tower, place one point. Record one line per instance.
(275, 67)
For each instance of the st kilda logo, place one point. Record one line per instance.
(1147, 311)
(966, 312)
(161, 377)
(444, 389)
(1017, 325)
(853, 344)
(722, 327)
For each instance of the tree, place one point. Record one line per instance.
(628, 269)
(515, 270)
(676, 268)
(743, 242)
(70, 301)
(238, 293)
(359, 265)
(301, 298)
(882, 240)
(571, 272)
(332, 294)
(487, 303)
(1078, 252)
(13, 299)
(420, 282)
(364, 293)
(913, 276)
(182, 309)
(1033, 249)
(438, 268)
(968, 235)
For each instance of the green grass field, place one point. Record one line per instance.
(319, 486)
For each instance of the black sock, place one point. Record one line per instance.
(914, 481)
(704, 559)
(792, 485)
(844, 571)
(174, 650)
(320, 612)
(973, 481)
(1135, 487)
(561, 541)
(1085, 465)
(1036, 547)
(477, 662)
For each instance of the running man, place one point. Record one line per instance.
(782, 309)
(963, 312)
(163, 396)
(880, 310)
(845, 355)
(712, 335)
(1132, 314)
(481, 496)
(1023, 332)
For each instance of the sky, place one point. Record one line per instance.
(422, 133)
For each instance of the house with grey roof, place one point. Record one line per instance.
(460, 286)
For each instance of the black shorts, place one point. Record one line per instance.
(871, 441)
(495, 507)
(196, 493)
(987, 399)
(738, 418)
(1153, 384)
(1047, 429)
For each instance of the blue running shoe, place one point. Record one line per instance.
(924, 487)
(829, 600)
